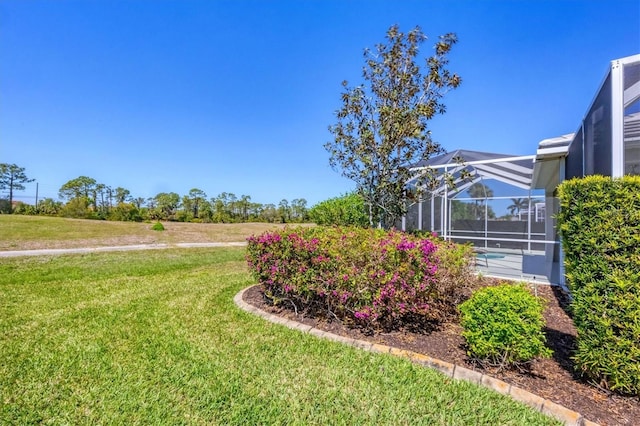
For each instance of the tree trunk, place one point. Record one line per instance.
(11, 194)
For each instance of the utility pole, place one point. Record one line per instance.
(36, 197)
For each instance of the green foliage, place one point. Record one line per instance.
(518, 204)
(371, 277)
(599, 222)
(49, 207)
(23, 208)
(455, 276)
(5, 206)
(503, 325)
(158, 226)
(482, 192)
(166, 204)
(461, 210)
(382, 127)
(346, 210)
(126, 212)
(78, 208)
(81, 186)
(193, 204)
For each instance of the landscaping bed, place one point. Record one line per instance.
(550, 378)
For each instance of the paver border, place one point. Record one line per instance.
(545, 406)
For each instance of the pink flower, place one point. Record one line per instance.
(405, 245)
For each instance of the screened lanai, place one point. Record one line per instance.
(505, 205)
(484, 199)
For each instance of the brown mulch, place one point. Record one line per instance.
(551, 378)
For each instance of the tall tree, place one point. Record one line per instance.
(269, 213)
(166, 204)
(138, 202)
(480, 192)
(197, 197)
(99, 192)
(518, 205)
(244, 203)
(299, 210)
(122, 195)
(232, 205)
(284, 210)
(81, 186)
(221, 209)
(12, 178)
(381, 129)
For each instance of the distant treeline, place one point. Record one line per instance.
(84, 197)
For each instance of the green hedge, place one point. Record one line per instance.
(346, 210)
(599, 222)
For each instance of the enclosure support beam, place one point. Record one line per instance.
(529, 223)
(617, 119)
(433, 219)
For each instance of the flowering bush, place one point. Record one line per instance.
(368, 276)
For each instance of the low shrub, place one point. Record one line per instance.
(599, 221)
(370, 277)
(158, 226)
(503, 326)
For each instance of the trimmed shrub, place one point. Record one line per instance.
(503, 325)
(158, 226)
(371, 277)
(599, 221)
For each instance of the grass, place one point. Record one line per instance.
(19, 232)
(154, 337)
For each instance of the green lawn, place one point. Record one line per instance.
(18, 232)
(154, 337)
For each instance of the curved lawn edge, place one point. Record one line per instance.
(549, 408)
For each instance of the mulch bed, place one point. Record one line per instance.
(551, 378)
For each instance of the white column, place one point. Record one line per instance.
(617, 119)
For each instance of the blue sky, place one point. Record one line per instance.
(236, 96)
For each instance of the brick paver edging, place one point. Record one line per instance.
(545, 406)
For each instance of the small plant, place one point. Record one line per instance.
(503, 326)
(158, 226)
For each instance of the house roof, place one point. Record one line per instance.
(510, 169)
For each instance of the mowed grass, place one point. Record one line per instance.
(155, 338)
(19, 232)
